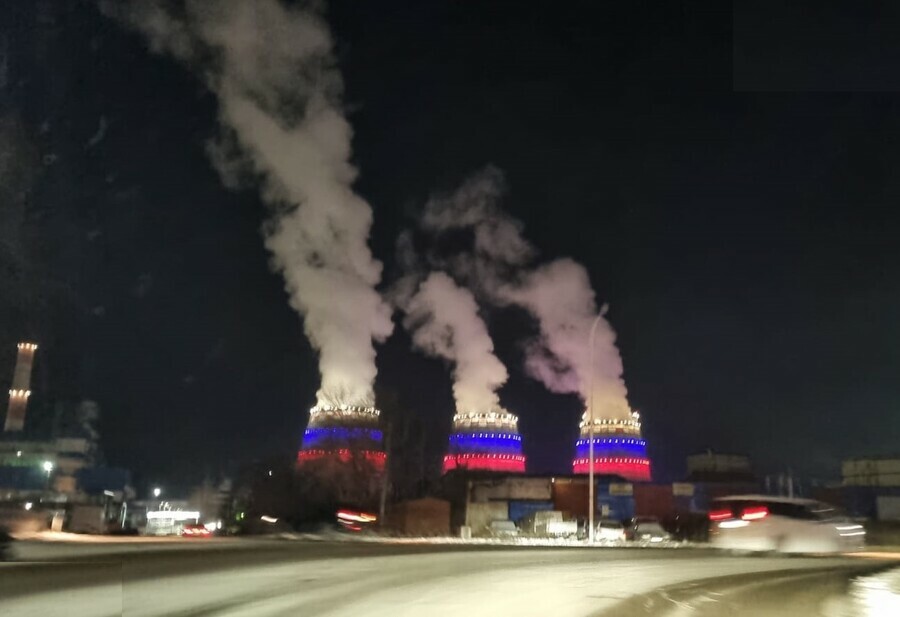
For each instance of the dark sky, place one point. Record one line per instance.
(740, 219)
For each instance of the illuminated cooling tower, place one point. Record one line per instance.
(618, 449)
(20, 389)
(343, 433)
(485, 442)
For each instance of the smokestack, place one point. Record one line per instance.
(20, 389)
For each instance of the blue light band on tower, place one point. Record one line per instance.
(329, 436)
(487, 443)
(612, 447)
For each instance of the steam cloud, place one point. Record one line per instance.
(557, 294)
(443, 319)
(273, 72)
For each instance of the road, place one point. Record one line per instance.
(263, 578)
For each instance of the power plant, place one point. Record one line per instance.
(485, 442)
(344, 433)
(619, 448)
(55, 464)
(20, 390)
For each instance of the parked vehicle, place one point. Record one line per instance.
(504, 529)
(784, 524)
(610, 531)
(87, 519)
(548, 523)
(5, 545)
(646, 530)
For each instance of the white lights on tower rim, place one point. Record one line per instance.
(492, 419)
(609, 425)
(343, 414)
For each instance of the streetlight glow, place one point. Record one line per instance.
(47, 466)
(157, 492)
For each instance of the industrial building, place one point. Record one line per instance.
(870, 487)
(716, 474)
(51, 470)
(423, 517)
(481, 503)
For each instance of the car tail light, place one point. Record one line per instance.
(719, 515)
(754, 514)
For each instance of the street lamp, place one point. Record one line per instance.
(48, 467)
(157, 491)
(591, 430)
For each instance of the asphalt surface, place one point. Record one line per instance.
(299, 578)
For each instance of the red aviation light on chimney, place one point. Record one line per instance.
(755, 513)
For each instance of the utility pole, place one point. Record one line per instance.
(385, 477)
(591, 432)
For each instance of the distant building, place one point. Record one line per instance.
(478, 499)
(51, 468)
(716, 474)
(711, 465)
(870, 487)
(427, 516)
(871, 472)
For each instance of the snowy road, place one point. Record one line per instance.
(304, 579)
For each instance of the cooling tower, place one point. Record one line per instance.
(619, 449)
(20, 389)
(344, 433)
(485, 442)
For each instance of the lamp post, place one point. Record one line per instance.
(591, 431)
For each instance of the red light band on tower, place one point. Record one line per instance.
(485, 462)
(377, 459)
(629, 468)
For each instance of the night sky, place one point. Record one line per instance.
(739, 218)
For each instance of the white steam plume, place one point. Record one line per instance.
(557, 294)
(444, 322)
(272, 70)
(560, 297)
(497, 249)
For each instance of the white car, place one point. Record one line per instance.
(644, 529)
(609, 531)
(784, 524)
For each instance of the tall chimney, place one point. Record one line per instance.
(21, 388)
